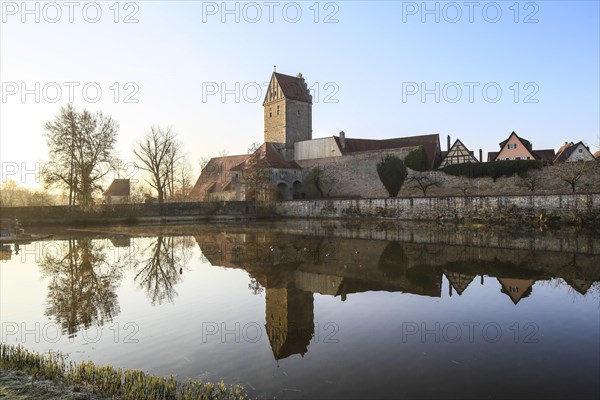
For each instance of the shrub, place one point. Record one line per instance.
(392, 172)
(494, 169)
(416, 160)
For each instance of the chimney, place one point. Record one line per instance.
(480, 155)
(448, 144)
(343, 140)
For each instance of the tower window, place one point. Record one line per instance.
(270, 112)
(298, 112)
(277, 110)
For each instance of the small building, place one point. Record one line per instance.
(342, 146)
(266, 175)
(517, 148)
(118, 192)
(215, 181)
(572, 152)
(262, 175)
(457, 154)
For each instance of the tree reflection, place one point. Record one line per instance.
(82, 290)
(163, 269)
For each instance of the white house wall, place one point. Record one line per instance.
(316, 148)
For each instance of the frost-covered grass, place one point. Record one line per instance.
(109, 382)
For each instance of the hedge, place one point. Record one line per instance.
(494, 169)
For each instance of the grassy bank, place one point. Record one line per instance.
(109, 382)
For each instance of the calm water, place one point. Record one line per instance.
(304, 310)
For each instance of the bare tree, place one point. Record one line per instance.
(13, 195)
(324, 180)
(424, 181)
(81, 148)
(573, 172)
(183, 179)
(253, 147)
(256, 177)
(532, 181)
(158, 152)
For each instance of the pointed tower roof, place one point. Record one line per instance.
(292, 87)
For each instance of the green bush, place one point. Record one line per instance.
(416, 160)
(392, 172)
(494, 169)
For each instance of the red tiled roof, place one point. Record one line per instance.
(293, 87)
(267, 156)
(544, 155)
(215, 176)
(118, 187)
(597, 155)
(492, 155)
(430, 143)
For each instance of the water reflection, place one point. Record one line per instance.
(162, 269)
(292, 268)
(289, 268)
(83, 283)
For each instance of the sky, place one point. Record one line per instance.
(473, 70)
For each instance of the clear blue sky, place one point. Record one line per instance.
(370, 61)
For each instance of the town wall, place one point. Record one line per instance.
(546, 209)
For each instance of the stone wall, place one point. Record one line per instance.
(581, 208)
(576, 208)
(550, 182)
(129, 213)
(353, 175)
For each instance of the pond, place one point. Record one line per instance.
(300, 309)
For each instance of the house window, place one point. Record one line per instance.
(581, 150)
(524, 158)
(512, 146)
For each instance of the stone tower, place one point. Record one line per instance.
(287, 112)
